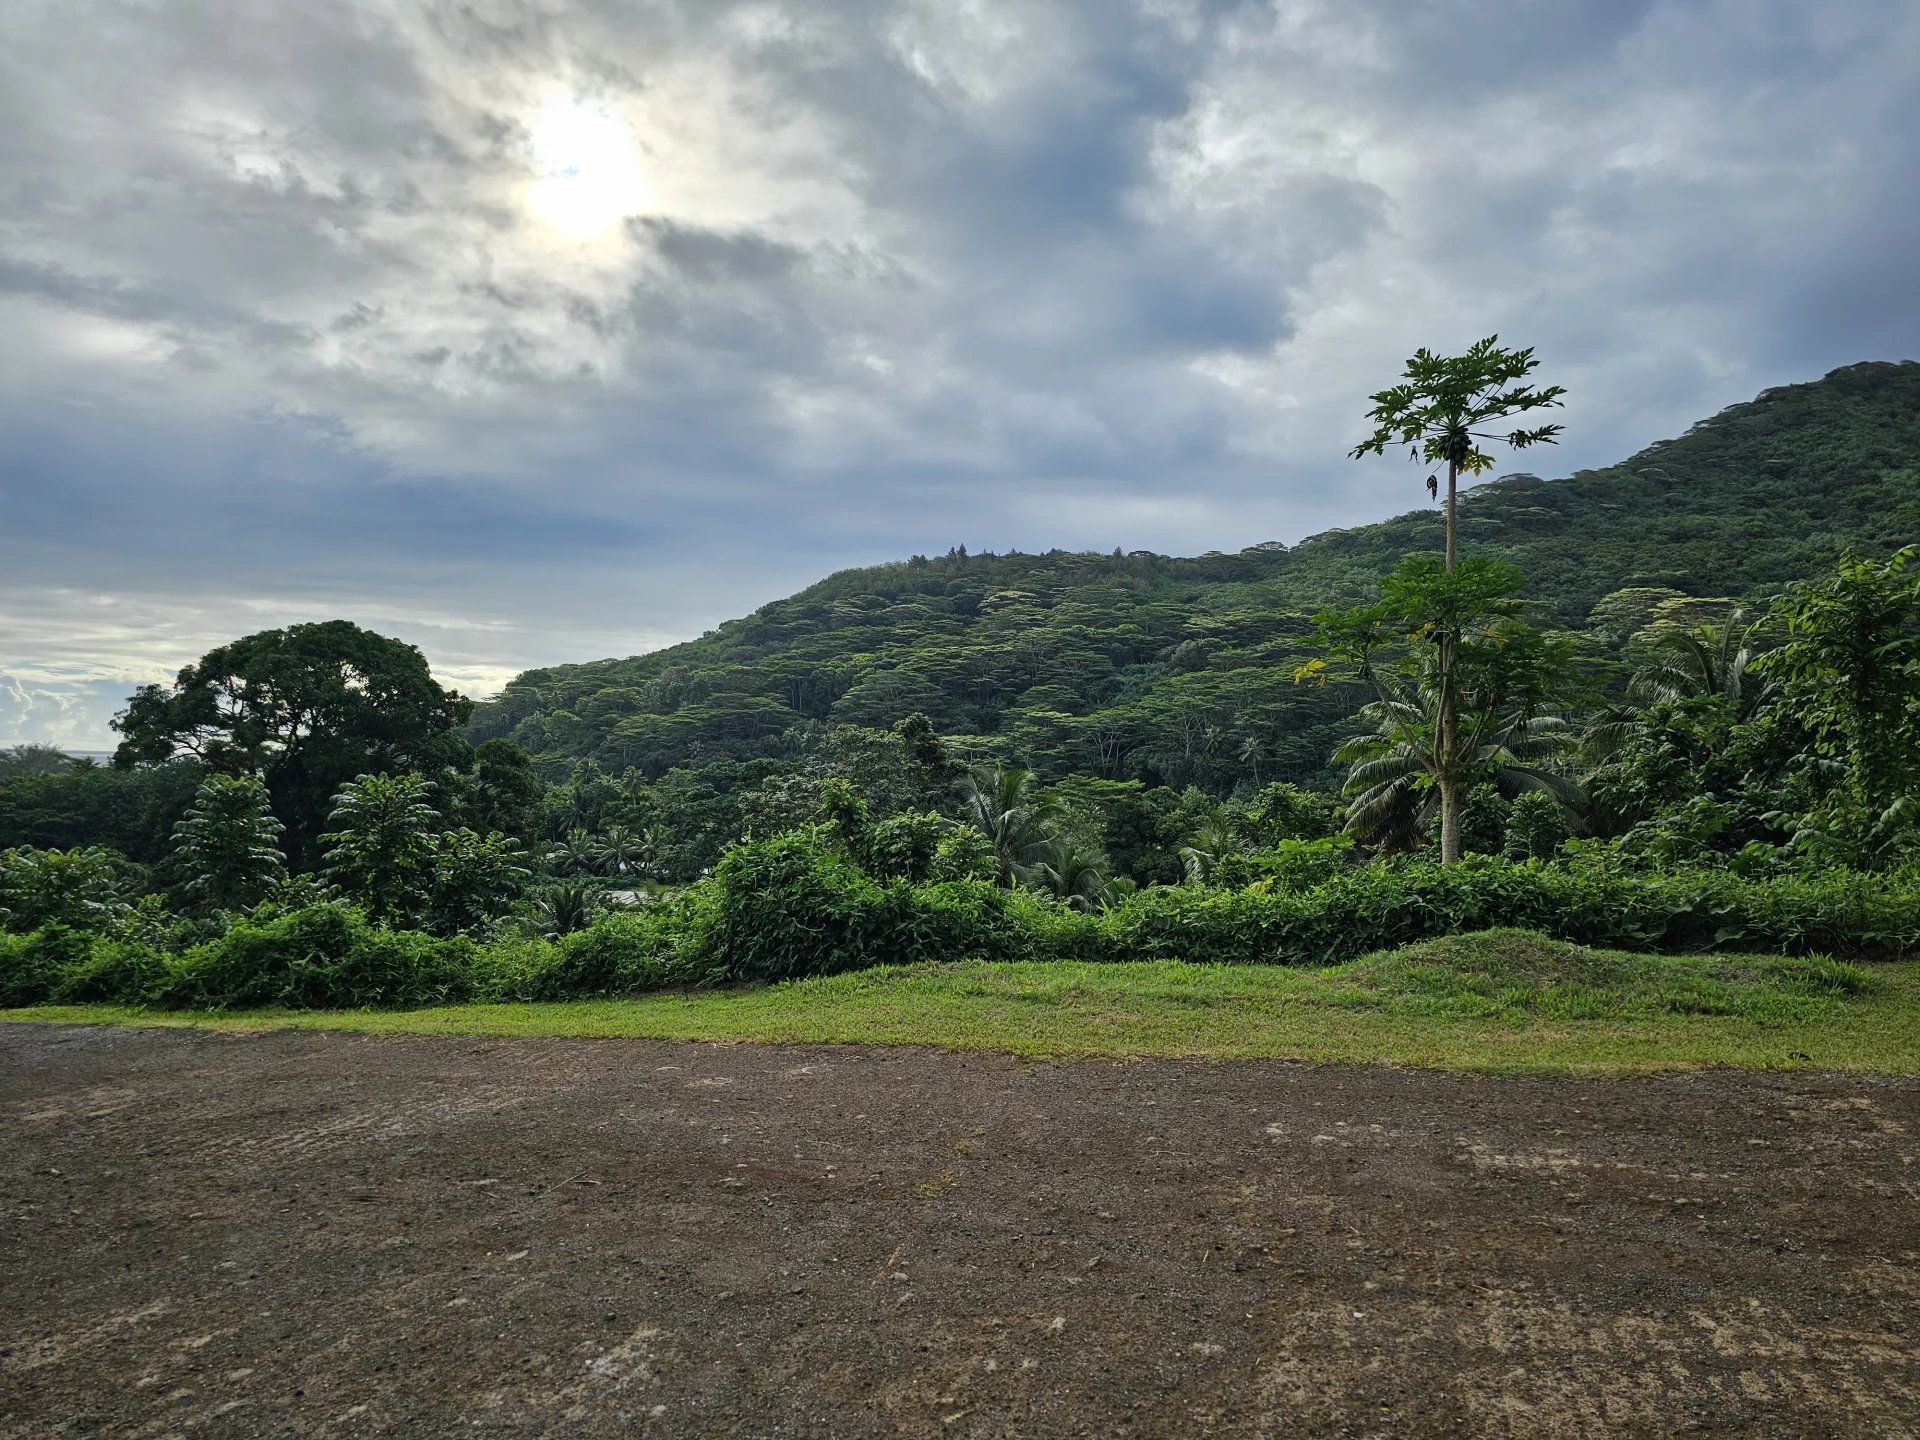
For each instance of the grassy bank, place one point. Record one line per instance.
(1497, 1001)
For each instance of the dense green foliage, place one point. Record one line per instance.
(798, 905)
(1178, 671)
(225, 848)
(1132, 759)
(305, 709)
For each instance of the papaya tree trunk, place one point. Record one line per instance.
(1449, 783)
(1446, 759)
(1453, 485)
(1449, 822)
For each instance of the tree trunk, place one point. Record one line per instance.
(1449, 822)
(1453, 481)
(1449, 782)
(1445, 759)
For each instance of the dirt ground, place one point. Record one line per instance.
(313, 1234)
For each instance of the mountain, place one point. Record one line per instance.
(1179, 671)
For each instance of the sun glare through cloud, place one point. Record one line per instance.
(587, 163)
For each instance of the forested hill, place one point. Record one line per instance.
(1179, 671)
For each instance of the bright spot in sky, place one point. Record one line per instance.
(589, 167)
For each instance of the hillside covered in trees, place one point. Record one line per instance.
(1143, 667)
(1068, 756)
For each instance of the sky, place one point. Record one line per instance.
(555, 330)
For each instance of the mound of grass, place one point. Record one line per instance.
(1520, 973)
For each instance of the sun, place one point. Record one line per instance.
(587, 163)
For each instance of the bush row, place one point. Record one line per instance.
(797, 905)
(330, 956)
(1367, 908)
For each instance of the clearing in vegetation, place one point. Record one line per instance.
(422, 1236)
(1502, 1000)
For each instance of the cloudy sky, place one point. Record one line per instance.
(546, 331)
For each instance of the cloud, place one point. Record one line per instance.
(293, 332)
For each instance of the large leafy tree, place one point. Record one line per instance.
(1444, 407)
(226, 846)
(499, 792)
(1465, 691)
(381, 844)
(306, 708)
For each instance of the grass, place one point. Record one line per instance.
(1494, 1001)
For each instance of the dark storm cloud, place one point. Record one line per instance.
(295, 328)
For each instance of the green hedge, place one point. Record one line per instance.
(1370, 908)
(796, 906)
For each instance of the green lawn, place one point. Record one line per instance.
(1499, 1001)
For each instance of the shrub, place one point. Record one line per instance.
(617, 954)
(905, 847)
(1287, 865)
(114, 970)
(1536, 824)
(798, 905)
(795, 906)
(475, 879)
(32, 966)
(328, 956)
(81, 887)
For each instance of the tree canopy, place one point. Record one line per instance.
(306, 709)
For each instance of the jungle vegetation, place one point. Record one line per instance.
(1673, 705)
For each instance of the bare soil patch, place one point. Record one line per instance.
(331, 1234)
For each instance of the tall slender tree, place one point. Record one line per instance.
(1442, 411)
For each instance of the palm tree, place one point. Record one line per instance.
(1707, 660)
(1005, 804)
(1393, 784)
(1253, 754)
(1201, 856)
(1075, 873)
(620, 850)
(566, 906)
(577, 853)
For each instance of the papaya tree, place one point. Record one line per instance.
(1442, 411)
(1444, 406)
